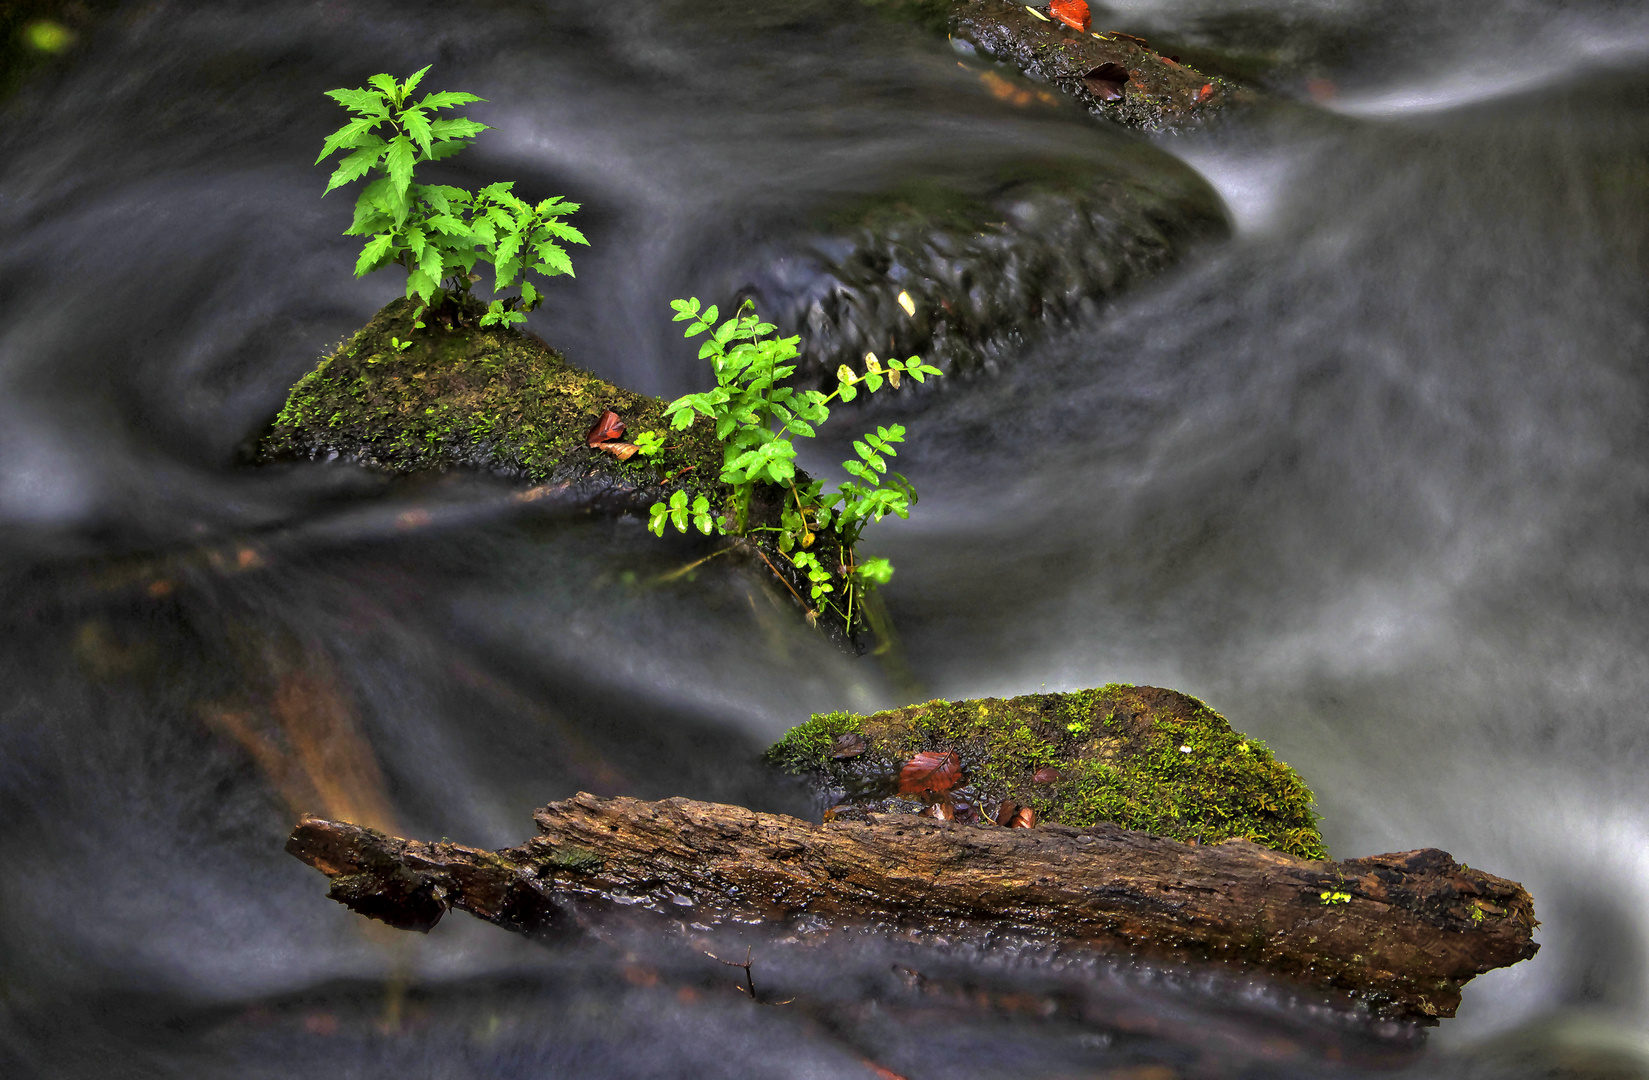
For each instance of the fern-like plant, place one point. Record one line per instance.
(436, 232)
(757, 420)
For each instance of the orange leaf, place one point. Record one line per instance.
(930, 771)
(622, 450)
(1206, 92)
(606, 429)
(1073, 13)
(1024, 819)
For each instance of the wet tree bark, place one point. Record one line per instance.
(1402, 932)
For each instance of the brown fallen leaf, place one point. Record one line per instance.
(1045, 775)
(606, 429)
(930, 772)
(622, 450)
(1128, 37)
(1107, 82)
(1005, 813)
(1024, 819)
(940, 811)
(847, 746)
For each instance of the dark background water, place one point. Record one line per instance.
(1371, 477)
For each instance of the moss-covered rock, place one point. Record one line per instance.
(461, 396)
(1138, 756)
(488, 398)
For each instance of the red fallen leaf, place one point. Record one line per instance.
(1107, 82)
(622, 450)
(606, 429)
(930, 771)
(1005, 813)
(847, 746)
(1024, 819)
(1073, 13)
(1206, 92)
(1045, 775)
(881, 1073)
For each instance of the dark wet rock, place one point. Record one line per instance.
(985, 259)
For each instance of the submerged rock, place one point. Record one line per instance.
(1136, 756)
(961, 269)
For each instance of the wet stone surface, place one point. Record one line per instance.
(962, 269)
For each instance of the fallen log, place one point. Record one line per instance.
(1401, 933)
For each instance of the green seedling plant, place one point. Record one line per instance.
(436, 232)
(757, 419)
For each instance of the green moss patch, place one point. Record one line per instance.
(492, 398)
(1139, 756)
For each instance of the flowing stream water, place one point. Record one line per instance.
(1371, 477)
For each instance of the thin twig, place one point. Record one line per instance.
(750, 982)
(672, 575)
(780, 576)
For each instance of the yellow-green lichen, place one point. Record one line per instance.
(1141, 757)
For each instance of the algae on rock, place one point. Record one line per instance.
(1137, 756)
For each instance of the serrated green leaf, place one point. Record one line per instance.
(417, 127)
(346, 136)
(562, 231)
(554, 262)
(361, 101)
(432, 264)
(372, 254)
(446, 99)
(421, 284)
(414, 79)
(398, 161)
(453, 127)
(386, 84)
(352, 168)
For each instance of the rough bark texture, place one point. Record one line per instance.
(1160, 94)
(1414, 927)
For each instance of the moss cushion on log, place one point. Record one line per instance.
(1137, 756)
